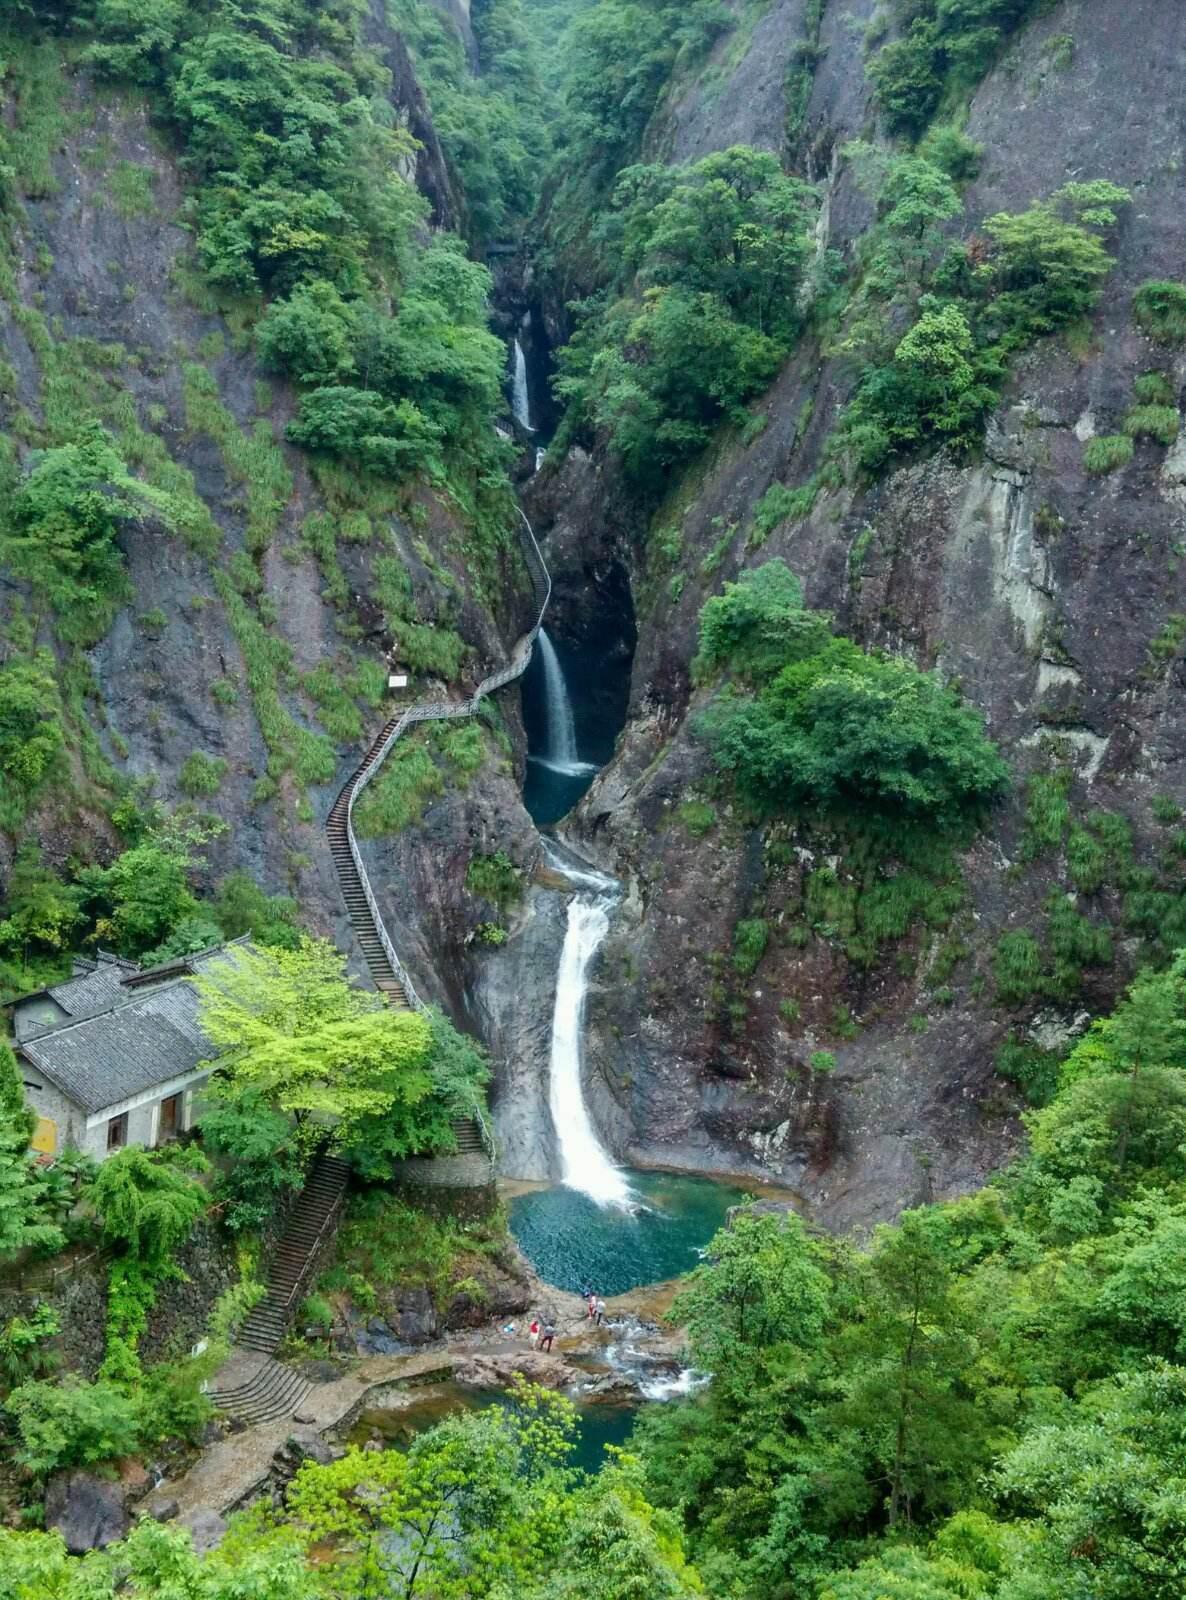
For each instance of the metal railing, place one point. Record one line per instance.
(441, 711)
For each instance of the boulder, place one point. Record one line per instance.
(161, 1508)
(89, 1512)
(206, 1529)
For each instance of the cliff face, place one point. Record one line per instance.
(1053, 597)
(104, 312)
(1050, 595)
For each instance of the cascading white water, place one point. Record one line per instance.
(584, 1163)
(562, 738)
(520, 399)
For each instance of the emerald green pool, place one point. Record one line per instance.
(597, 1425)
(578, 1245)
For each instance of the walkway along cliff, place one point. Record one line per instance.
(474, 1137)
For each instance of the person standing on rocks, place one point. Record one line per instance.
(547, 1336)
(533, 1332)
(592, 1299)
(600, 1314)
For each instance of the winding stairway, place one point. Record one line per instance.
(253, 1387)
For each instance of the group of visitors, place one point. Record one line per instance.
(540, 1334)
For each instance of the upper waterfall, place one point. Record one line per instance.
(520, 399)
(562, 738)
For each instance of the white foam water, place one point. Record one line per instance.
(520, 399)
(585, 1164)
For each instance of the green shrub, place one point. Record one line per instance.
(201, 775)
(750, 938)
(1154, 389)
(780, 504)
(317, 1310)
(698, 817)
(822, 1061)
(1106, 453)
(495, 878)
(1034, 1070)
(72, 1424)
(409, 780)
(1160, 309)
(694, 331)
(1153, 422)
(1017, 967)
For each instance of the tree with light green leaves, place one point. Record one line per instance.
(291, 1031)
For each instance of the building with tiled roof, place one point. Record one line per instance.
(114, 1054)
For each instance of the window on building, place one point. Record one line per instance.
(170, 1120)
(117, 1132)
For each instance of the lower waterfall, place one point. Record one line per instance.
(585, 1165)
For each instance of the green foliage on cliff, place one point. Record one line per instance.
(834, 728)
(493, 123)
(945, 48)
(1028, 275)
(712, 257)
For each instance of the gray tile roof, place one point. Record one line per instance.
(148, 1040)
(96, 988)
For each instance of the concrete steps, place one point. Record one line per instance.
(274, 1391)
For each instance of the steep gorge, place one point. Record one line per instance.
(1050, 594)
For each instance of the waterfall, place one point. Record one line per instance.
(584, 1163)
(520, 399)
(562, 738)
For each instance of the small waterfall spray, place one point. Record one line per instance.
(585, 1164)
(520, 399)
(562, 738)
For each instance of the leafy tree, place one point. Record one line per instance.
(262, 1155)
(717, 250)
(1046, 267)
(147, 1201)
(64, 522)
(27, 1216)
(145, 894)
(241, 906)
(477, 1502)
(459, 1070)
(391, 438)
(1107, 1492)
(836, 727)
(42, 912)
(25, 1350)
(31, 736)
(153, 1563)
(761, 1280)
(757, 624)
(294, 1035)
(905, 1360)
(309, 336)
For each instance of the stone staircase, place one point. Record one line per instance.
(266, 1390)
(313, 1214)
(337, 829)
